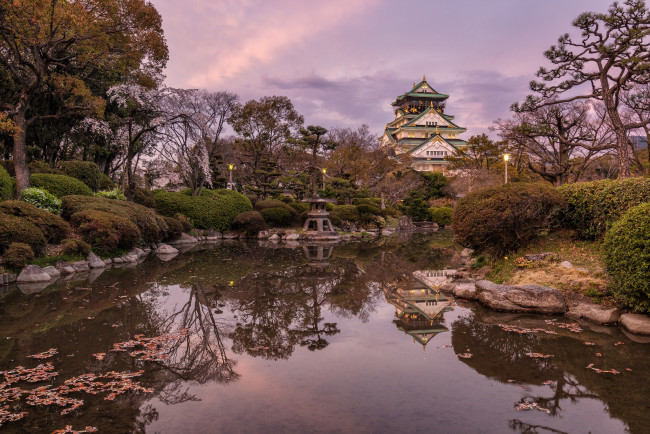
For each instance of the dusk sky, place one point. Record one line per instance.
(342, 62)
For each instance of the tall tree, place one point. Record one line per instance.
(609, 57)
(313, 139)
(61, 43)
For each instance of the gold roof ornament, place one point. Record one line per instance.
(424, 77)
(437, 132)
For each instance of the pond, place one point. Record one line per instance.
(258, 337)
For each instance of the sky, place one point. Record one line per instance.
(342, 62)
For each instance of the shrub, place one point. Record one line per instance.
(348, 213)
(213, 210)
(105, 231)
(250, 221)
(18, 255)
(272, 203)
(502, 219)
(174, 229)
(279, 216)
(152, 226)
(73, 246)
(16, 230)
(368, 209)
(299, 207)
(415, 207)
(59, 185)
(592, 207)
(41, 199)
(111, 194)
(8, 165)
(106, 183)
(441, 215)
(375, 202)
(187, 226)
(40, 166)
(627, 258)
(53, 227)
(85, 171)
(6, 184)
(143, 197)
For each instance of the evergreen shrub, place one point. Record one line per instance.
(53, 227)
(18, 255)
(41, 199)
(251, 222)
(348, 213)
(40, 166)
(105, 231)
(17, 230)
(299, 207)
(174, 229)
(144, 197)
(502, 219)
(111, 194)
(59, 185)
(278, 216)
(85, 171)
(592, 207)
(73, 246)
(6, 185)
(441, 215)
(627, 258)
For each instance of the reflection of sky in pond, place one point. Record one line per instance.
(293, 347)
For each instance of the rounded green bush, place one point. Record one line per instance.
(106, 183)
(627, 258)
(348, 213)
(251, 222)
(502, 219)
(441, 215)
(18, 255)
(299, 207)
(105, 231)
(111, 194)
(272, 203)
(40, 166)
(152, 226)
(73, 246)
(144, 197)
(592, 207)
(59, 185)
(6, 185)
(368, 209)
(278, 216)
(174, 229)
(85, 171)
(41, 199)
(53, 227)
(17, 230)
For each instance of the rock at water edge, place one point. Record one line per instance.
(33, 274)
(524, 298)
(635, 323)
(94, 261)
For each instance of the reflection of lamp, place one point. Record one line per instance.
(230, 167)
(324, 171)
(506, 157)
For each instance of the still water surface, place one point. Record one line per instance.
(268, 338)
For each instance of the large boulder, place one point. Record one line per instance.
(95, 261)
(166, 249)
(52, 271)
(594, 312)
(520, 298)
(33, 274)
(465, 289)
(635, 323)
(184, 239)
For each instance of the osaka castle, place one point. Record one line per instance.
(422, 130)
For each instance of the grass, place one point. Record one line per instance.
(588, 276)
(46, 261)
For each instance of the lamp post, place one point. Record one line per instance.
(506, 157)
(324, 171)
(230, 167)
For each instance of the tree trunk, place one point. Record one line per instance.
(20, 153)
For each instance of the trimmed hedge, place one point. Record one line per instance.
(17, 230)
(279, 216)
(18, 255)
(345, 213)
(299, 207)
(272, 203)
(152, 226)
(441, 215)
(251, 222)
(592, 207)
(42, 199)
(53, 227)
(59, 185)
(73, 246)
(627, 258)
(40, 166)
(502, 219)
(215, 209)
(85, 171)
(6, 185)
(174, 229)
(105, 231)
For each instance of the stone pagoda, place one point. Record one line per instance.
(422, 130)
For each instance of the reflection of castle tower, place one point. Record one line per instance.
(419, 311)
(435, 278)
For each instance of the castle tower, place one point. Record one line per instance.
(422, 130)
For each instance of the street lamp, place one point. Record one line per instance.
(506, 157)
(230, 167)
(324, 171)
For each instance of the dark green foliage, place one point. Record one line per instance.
(106, 183)
(54, 228)
(40, 166)
(627, 257)
(8, 165)
(174, 229)
(348, 213)
(105, 231)
(85, 171)
(143, 197)
(502, 219)
(250, 221)
(370, 201)
(279, 216)
(272, 203)
(59, 185)
(187, 226)
(415, 207)
(18, 255)
(252, 198)
(214, 210)
(152, 226)
(435, 185)
(368, 209)
(441, 215)
(6, 185)
(16, 230)
(299, 207)
(592, 207)
(73, 246)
